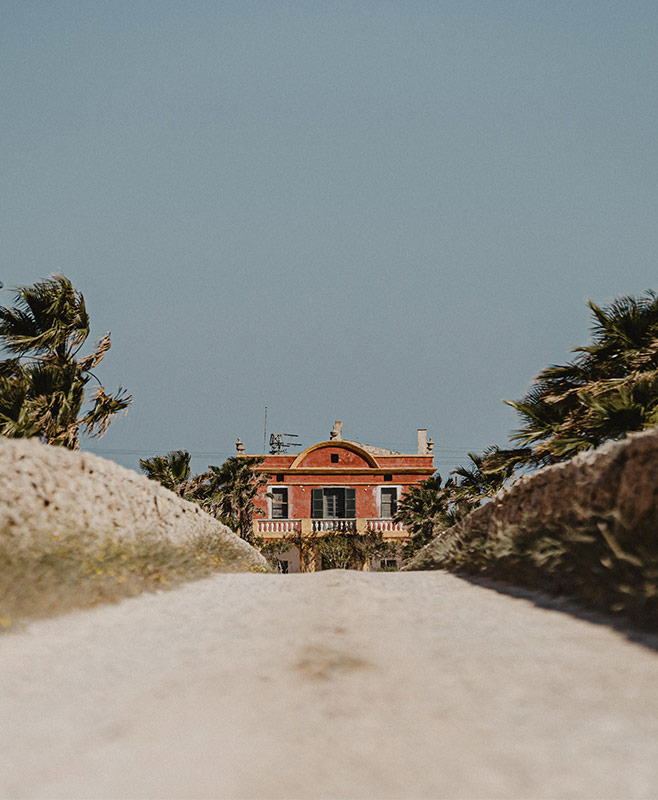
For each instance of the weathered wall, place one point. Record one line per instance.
(612, 491)
(46, 491)
(352, 469)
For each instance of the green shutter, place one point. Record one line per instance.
(350, 503)
(316, 509)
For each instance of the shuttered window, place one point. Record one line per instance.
(279, 503)
(350, 503)
(333, 503)
(388, 502)
(317, 510)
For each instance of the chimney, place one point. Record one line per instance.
(422, 441)
(337, 430)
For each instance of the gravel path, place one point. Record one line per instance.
(333, 685)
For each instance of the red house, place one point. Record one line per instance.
(336, 486)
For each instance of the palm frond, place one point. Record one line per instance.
(106, 406)
(50, 315)
(44, 331)
(171, 470)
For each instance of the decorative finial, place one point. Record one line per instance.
(430, 446)
(337, 430)
(239, 447)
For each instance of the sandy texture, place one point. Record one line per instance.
(611, 490)
(328, 685)
(50, 491)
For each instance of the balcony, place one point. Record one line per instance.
(276, 527)
(279, 528)
(386, 526)
(333, 525)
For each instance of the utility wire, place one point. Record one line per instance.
(441, 457)
(119, 451)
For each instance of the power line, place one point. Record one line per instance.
(156, 450)
(446, 459)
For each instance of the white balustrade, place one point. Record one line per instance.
(281, 527)
(333, 525)
(266, 526)
(385, 526)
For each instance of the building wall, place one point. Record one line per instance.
(354, 468)
(300, 494)
(347, 458)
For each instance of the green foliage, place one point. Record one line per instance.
(421, 506)
(353, 550)
(431, 507)
(171, 470)
(486, 475)
(228, 492)
(608, 390)
(43, 386)
(427, 508)
(339, 550)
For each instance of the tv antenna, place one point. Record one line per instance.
(278, 445)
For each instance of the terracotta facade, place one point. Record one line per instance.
(337, 486)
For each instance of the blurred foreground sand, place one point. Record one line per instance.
(335, 684)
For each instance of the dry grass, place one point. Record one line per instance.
(43, 576)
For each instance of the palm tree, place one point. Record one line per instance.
(42, 388)
(487, 474)
(16, 416)
(423, 507)
(171, 470)
(608, 390)
(228, 492)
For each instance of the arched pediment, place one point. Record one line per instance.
(334, 444)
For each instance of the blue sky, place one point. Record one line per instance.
(387, 213)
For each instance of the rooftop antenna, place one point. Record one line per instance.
(265, 433)
(278, 445)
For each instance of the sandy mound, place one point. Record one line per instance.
(50, 491)
(610, 492)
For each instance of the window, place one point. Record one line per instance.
(279, 478)
(334, 458)
(388, 477)
(334, 503)
(388, 501)
(279, 502)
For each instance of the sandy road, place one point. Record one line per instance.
(331, 685)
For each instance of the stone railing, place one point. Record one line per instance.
(333, 525)
(386, 526)
(277, 526)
